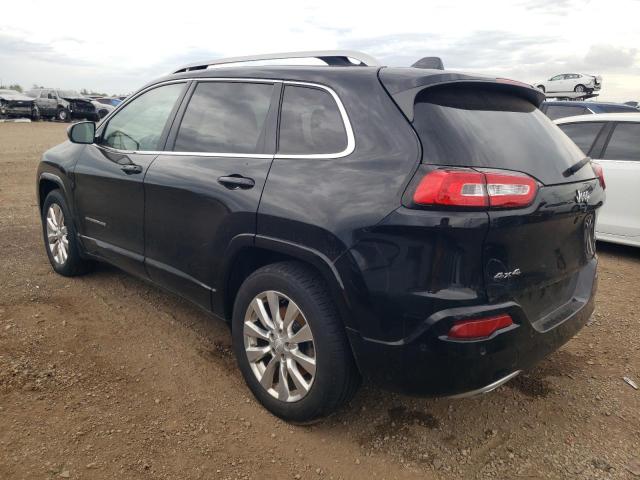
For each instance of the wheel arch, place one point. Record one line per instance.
(247, 257)
(46, 184)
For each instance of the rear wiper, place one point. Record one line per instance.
(576, 166)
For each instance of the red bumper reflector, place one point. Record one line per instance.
(479, 328)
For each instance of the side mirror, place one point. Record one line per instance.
(82, 132)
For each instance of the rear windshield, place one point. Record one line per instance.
(485, 127)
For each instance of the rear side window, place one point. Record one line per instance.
(486, 127)
(560, 111)
(225, 117)
(616, 109)
(310, 123)
(583, 134)
(624, 143)
(140, 124)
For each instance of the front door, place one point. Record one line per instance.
(204, 195)
(109, 190)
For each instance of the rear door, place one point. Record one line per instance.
(203, 195)
(620, 161)
(109, 191)
(538, 254)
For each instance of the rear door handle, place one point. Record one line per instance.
(131, 168)
(233, 182)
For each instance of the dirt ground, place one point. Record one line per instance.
(105, 376)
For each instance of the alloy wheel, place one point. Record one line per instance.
(279, 346)
(57, 234)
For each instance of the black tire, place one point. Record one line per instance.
(541, 88)
(74, 264)
(63, 115)
(35, 114)
(580, 89)
(94, 117)
(336, 377)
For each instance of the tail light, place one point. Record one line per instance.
(600, 174)
(479, 328)
(471, 188)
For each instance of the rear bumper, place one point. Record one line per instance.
(427, 362)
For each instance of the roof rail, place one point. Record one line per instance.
(331, 57)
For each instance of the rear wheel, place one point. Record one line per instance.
(290, 343)
(60, 237)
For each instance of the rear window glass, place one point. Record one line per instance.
(485, 127)
(583, 134)
(310, 123)
(561, 111)
(225, 118)
(624, 143)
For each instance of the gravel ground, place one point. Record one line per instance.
(105, 376)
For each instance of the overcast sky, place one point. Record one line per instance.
(117, 46)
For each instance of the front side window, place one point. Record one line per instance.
(139, 125)
(225, 117)
(624, 143)
(310, 123)
(583, 134)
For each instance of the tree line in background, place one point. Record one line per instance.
(83, 91)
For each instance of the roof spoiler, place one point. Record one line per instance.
(404, 88)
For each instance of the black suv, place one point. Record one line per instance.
(429, 230)
(63, 105)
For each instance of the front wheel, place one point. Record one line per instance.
(580, 89)
(60, 237)
(290, 343)
(541, 88)
(35, 114)
(63, 115)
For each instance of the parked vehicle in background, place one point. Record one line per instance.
(103, 109)
(14, 104)
(63, 105)
(348, 220)
(113, 101)
(613, 141)
(570, 82)
(568, 108)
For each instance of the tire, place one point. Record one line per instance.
(35, 114)
(541, 88)
(94, 117)
(72, 263)
(580, 89)
(63, 115)
(334, 379)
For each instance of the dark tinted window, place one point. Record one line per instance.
(310, 123)
(225, 117)
(616, 109)
(561, 111)
(583, 134)
(139, 125)
(624, 143)
(477, 127)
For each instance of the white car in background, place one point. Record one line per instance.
(613, 141)
(570, 82)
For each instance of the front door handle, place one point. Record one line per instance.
(235, 181)
(131, 168)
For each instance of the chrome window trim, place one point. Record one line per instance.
(351, 144)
